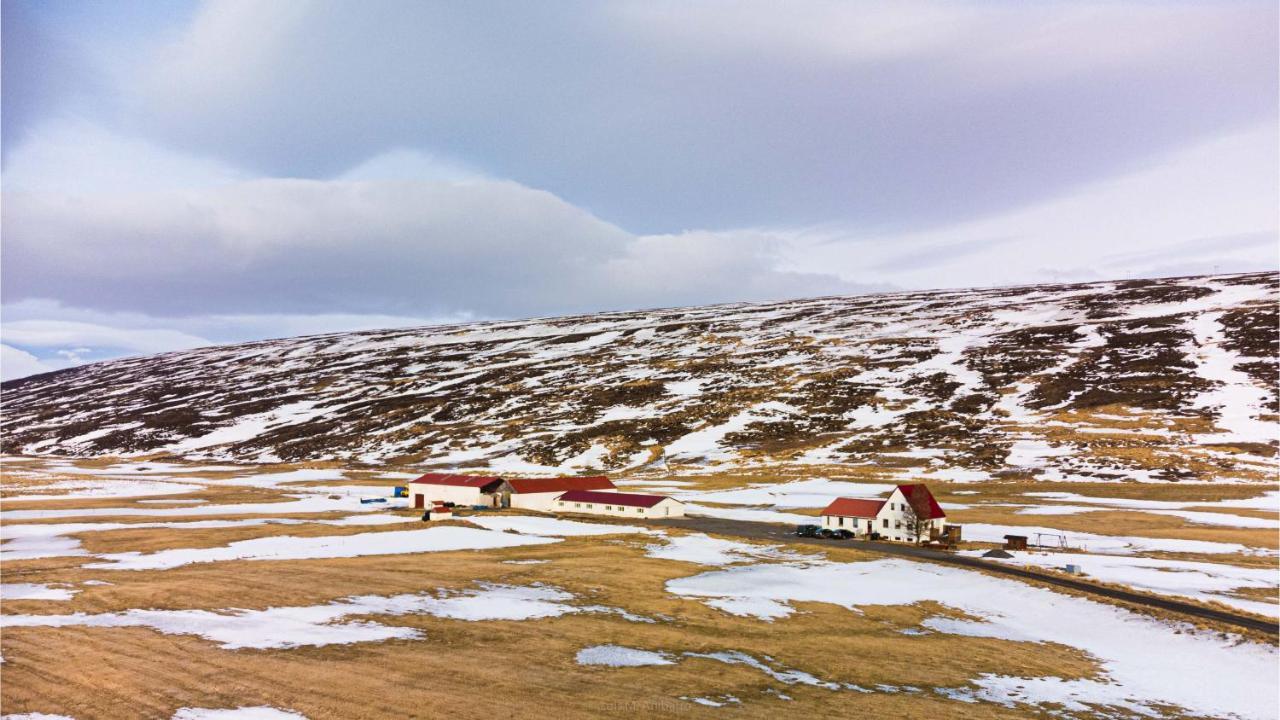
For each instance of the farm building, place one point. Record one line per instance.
(435, 488)
(540, 494)
(910, 514)
(619, 504)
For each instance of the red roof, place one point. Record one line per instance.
(850, 507)
(922, 500)
(475, 481)
(560, 484)
(613, 498)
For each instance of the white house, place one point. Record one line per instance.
(619, 504)
(908, 509)
(540, 493)
(435, 488)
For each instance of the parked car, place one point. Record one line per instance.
(842, 534)
(808, 530)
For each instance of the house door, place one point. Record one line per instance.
(419, 501)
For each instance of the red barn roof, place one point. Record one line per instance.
(851, 507)
(560, 484)
(922, 500)
(475, 481)
(613, 498)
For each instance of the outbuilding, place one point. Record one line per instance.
(540, 493)
(619, 504)
(909, 514)
(1015, 542)
(435, 488)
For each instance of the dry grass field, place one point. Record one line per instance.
(883, 658)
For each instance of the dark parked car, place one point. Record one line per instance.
(841, 534)
(808, 530)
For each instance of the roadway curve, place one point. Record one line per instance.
(783, 533)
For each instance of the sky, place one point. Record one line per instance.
(178, 174)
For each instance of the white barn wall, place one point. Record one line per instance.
(457, 494)
(666, 508)
(542, 502)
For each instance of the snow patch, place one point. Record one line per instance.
(619, 656)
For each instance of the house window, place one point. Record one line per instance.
(578, 505)
(886, 522)
(840, 522)
(561, 504)
(639, 510)
(588, 506)
(897, 524)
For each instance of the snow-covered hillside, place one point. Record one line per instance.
(1146, 380)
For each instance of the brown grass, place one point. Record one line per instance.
(478, 669)
(523, 669)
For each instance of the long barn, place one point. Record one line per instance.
(619, 504)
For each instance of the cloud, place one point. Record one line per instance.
(72, 336)
(666, 116)
(79, 157)
(1211, 208)
(38, 71)
(409, 248)
(15, 363)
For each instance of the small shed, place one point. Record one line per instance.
(1015, 542)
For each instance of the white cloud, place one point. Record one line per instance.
(663, 116)
(452, 245)
(72, 337)
(76, 157)
(15, 363)
(1210, 208)
(407, 164)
